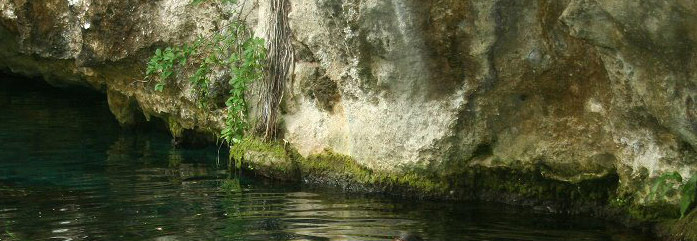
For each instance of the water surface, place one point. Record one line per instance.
(68, 172)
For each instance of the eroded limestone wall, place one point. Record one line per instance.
(576, 88)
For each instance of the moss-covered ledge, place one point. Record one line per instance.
(278, 161)
(519, 185)
(525, 185)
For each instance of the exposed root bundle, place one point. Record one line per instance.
(280, 59)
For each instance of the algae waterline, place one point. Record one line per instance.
(67, 172)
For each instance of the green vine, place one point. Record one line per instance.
(162, 64)
(663, 185)
(247, 66)
(688, 193)
(235, 51)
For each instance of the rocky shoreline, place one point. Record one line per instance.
(571, 105)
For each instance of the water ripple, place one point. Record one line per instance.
(67, 172)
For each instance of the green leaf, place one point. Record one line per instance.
(150, 70)
(230, 102)
(662, 186)
(159, 87)
(688, 195)
(165, 74)
(236, 49)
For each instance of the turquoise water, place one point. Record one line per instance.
(68, 172)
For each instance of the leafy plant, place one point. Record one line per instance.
(163, 63)
(278, 65)
(688, 191)
(247, 66)
(664, 184)
(688, 194)
(235, 51)
(234, 54)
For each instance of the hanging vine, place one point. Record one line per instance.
(246, 58)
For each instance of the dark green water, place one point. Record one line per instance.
(67, 172)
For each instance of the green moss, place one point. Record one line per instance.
(275, 160)
(269, 159)
(653, 212)
(275, 149)
(345, 169)
(514, 183)
(519, 184)
(174, 127)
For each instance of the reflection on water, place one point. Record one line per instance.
(68, 173)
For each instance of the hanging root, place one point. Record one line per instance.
(280, 59)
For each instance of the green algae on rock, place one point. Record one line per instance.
(502, 184)
(450, 98)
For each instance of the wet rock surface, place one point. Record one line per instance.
(575, 90)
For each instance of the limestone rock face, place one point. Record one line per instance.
(578, 89)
